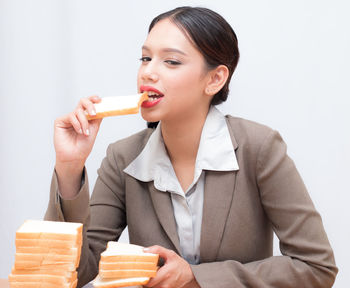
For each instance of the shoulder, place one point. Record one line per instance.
(245, 131)
(124, 151)
(257, 145)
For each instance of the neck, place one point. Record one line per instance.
(182, 137)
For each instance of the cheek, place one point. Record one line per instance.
(188, 81)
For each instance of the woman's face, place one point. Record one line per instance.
(174, 73)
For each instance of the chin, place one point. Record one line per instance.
(149, 116)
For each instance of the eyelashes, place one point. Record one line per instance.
(172, 62)
(146, 59)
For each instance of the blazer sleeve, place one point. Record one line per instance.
(103, 215)
(307, 259)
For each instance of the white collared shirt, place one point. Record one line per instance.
(215, 153)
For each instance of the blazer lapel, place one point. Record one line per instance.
(164, 210)
(218, 194)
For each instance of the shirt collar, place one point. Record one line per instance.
(215, 152)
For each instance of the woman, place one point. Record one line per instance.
(203, 190)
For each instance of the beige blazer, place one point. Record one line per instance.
(241, 211)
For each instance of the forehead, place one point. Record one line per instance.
(166, 34)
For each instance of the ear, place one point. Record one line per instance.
(217, 80)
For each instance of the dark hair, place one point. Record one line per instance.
(211, 35)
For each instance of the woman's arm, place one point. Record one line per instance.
(74, 137)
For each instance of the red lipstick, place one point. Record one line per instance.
(154, 95)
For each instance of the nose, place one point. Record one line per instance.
(149, 72)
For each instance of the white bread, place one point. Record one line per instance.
(14, 284)
(47, 254)
(126, 273)
(124, 247)
(44, 271)
(126, 265)
(54, 279)
(48, 250)
(48, 243)
(36, 229)
(45, 265)
(46, 258)
(118, 105)
(123, 252)
(98, 282)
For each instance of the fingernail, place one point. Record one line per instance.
(146, 249)
(80, 131)
(87, 132)
(93, 113)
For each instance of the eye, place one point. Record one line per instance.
(145, 59)
(172, 62)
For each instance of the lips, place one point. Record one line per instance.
(154, 96)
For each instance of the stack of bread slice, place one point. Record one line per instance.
(125, 265)
(47, 254)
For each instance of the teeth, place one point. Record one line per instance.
(151, 93)
(152, 98)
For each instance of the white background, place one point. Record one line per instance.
(293, 76)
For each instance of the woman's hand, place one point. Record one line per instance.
(74, 137)
(176, 272)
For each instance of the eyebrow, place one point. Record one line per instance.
(167, 50)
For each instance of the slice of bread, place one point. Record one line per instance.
(98, 282)
(43, 271)
(48, 250)
(47, 243)
(126, 273)
(36, 229)
(118, 105)
(54, 279)
(29, 284)
(46, 257)
(127, 265)
(33, 265)
(123, 252)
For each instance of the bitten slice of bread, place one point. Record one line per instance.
(118, 105)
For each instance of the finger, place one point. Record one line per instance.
(161, 276)
(95, 99)
(94, 126)
(79, 113)
(68, 121)
(163, 252)
(75, 123)
(86, 105)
